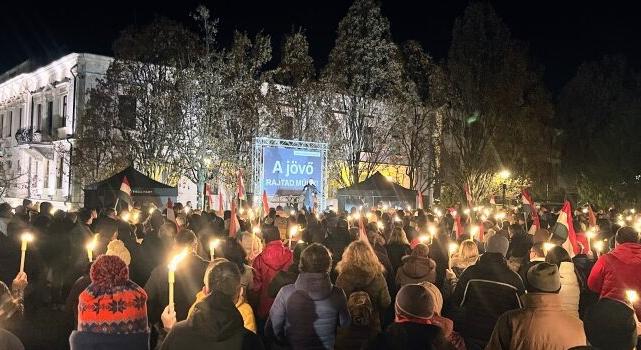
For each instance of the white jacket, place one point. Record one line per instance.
(570, 289)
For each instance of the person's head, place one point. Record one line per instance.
(435, 293)
(270, 233)
(223, 277)
(515, 230)
(315, 259)
(543, 278)
(186, 239)
(557, 255)
(27, 204)
(421, 250)
(5, 210)
(398, 236)
(85, 216)
(610, 324)
(627, 234)
(413, 304)
(497, 244)
(359, 256)
(360, 308)
(468, 249)
(117, 248)
(537, 251)
(45, 208)
(234, 252)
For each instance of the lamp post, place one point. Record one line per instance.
(504, 175)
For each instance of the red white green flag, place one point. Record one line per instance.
(564, 229)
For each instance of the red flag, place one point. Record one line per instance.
(208, 195)
(591, 216)
(362, 232)
(265, 204)
(241, 186)
(526, 199)
(124, 186)
(234, 225)
(468, 196)
(419, 200)
(458, 227)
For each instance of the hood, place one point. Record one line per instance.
(216, 318)
(276, 256)
(417, 266)
(628, 253)
(316, 285)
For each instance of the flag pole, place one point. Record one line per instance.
(116, 205)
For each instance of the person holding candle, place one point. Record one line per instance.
(618, 270)
(11, 311)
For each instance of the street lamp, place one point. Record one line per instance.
(504, 175)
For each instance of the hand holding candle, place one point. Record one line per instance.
(292, 233)
(25, 238)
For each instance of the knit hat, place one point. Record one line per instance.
(436, 295)
(543, 278)
(112, 304)
(360, 308)
(497, 244)
(610, 324)
(117, 248)
(413, 301)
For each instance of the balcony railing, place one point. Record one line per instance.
(27, 136)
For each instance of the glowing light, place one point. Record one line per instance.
(125, 216)
(357, 216)
(452, 248)
(466, 211)
(432, 230)
(474, 231)
(389, 178)
(91, 246)
(438, 212)
(292, 213)
(547, 246)
(385, 207)
(256, 229)
(590, 234)
(505, 174)
(423, 238)
(584, 210)
(241, 211)
(151, 211)
(633, 211)
(409, 208)
(213, 244)
(487, 212)
(380, 225)
(171, 274)
(499, 216)
(25, 238)
(598, 246)
(632, 296)
(628, 218)
(454, 213)
(397, 219)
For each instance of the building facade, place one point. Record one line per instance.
(40, 108)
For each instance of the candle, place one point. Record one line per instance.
(598, 247)
(25, 238)
(590, 235)
(547, 246)
(292, 233)
(213, 244)
(632, 296)
(423, 238)
(91, 246)
(452, 248)
(171, 276)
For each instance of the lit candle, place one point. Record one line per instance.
(590, 235)
(213, 244)
(423, 238)
(91, 246)
(632, 296)
(292, 213)
(292, 233)
(547, 246)
(466, 211)
(380, 225)
(598, 247)
(171, 276)
(452, 248)
(25, 238)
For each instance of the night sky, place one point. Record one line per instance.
(561, 34)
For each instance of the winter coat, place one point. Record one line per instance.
(308, 312)
(356, 280)
(189, 281)
(616, 272)
(246, 312)
(540, 325)
(416, 269)
(275, 257)
(282, 279)
(484, 291)
(570, 289)
(214, 324)
(396, 252)
(410, 336)
(353, 337)
(71, 304)
(80, 340)
(8, 341)
(336, 242)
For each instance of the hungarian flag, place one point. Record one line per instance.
(528, 205)
(170, 210)
(234, 225)
(564, 229)
(125, 191)
(468, 196)
(591, 216)
(241, 186)
(208, 195)
(419, 200)
(265, 204)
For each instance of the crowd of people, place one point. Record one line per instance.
(172, 278)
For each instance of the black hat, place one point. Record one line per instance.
(610, 324)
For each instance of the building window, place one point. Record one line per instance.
(127, 111)
(39, 117)
(46, 174)
(60, 173)
(10, 124)
(20, 119)
(50, 117)
(64, 110)
(1, 125)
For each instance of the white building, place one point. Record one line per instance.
(39, 111)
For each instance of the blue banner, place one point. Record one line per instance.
(289, 169)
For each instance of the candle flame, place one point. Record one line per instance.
(632, 296)
(173, 264)
(452, 248)
(27, 237)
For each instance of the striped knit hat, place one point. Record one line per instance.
(112, 304)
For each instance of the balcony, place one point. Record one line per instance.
(25, 136)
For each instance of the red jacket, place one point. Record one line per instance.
(274, 258)
(616, 272)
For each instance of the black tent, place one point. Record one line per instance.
(374, 190)
(143, 189)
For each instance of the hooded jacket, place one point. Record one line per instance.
(214, 324)
(275, 257)
(540, 325)
(616, 272)
(355, 280)
(308, 312)
(416, 269)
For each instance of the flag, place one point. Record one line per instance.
(528, 204)
(208, 195)
(564, 229)
(419, 200)
(591, 216)
(234, 225)
(458, 226)
(468, 196)
(241, 186)
(362, 232)
(125, 193)
(265, 204)
(170, 210)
